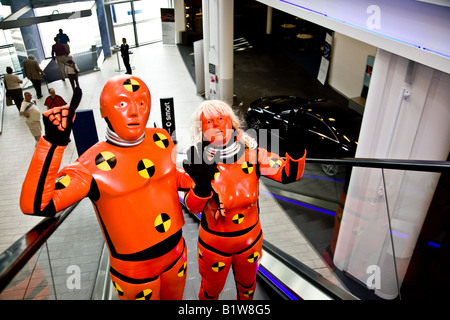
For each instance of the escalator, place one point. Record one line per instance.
(65, 258)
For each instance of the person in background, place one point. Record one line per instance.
(63, 39)
(33, 71)
(54, 100)
(125, 52)
(13, 89)
(72, 70)
(32, 114)
(59, 54)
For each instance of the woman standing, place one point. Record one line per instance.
(226, 165)
(72, 70)
(13, 88)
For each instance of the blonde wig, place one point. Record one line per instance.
(214, 108)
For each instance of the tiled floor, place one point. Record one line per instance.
(162, 68)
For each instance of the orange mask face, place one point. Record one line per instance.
(217, 130)
(126, 102)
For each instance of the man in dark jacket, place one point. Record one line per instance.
(124, 51)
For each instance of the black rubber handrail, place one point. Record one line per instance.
(396, 164)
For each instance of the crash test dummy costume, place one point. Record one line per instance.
(226, 174)
(132, 181)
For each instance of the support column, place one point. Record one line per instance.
(226, 50)
(218, 49)
(406, 117)
(103, 27)
(30, 34)
(180, 19)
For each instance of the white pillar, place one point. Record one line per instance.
(180, 19)
(205, 23)
(218, 36)
(226, 50)
(404, 118)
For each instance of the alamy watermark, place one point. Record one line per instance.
(373, 22)
(374, 279)
(74, 279)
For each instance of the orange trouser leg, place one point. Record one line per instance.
(169, 285)
(173, 280)
(136, 289)
(245, 267)
(213, 268)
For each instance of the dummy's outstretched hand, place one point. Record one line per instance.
(200, 169)
(58, 121)
(296, 134)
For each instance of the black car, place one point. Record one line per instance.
(332, 132)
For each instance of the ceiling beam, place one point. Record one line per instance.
(10, 24)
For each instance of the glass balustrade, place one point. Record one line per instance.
(362, 233)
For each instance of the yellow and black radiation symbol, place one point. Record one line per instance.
(118, 289)
(162, 222)
(182, 270)
(146, 168)
(253, 257)
(105, 161)
(144, 294)
(218, 266)
(161, 140)
(238, 218)
(249, 293)
(131, 85)
(247, 167)
(275, 163)
(62, 182)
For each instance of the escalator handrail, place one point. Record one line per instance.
(13, 259)
(396, 164)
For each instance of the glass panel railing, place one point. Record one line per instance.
(371, 231)
(65, 266)
(368, 231)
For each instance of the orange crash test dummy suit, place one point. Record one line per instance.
(132, 181)
(226, 164)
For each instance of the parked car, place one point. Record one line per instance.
(332, 129)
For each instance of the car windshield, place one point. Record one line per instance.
(281, 104)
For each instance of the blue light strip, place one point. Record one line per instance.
(323, 178)
(371, 31)
(331, 213)
(277, 284)
(304, 8)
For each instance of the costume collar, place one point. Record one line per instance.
(113, 138)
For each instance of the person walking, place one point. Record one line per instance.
(33, 71)
(32, 114)
(72, 70)
(63, 39)
(13, 89)
(59, 54)
(124, 51)
(54, 100)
